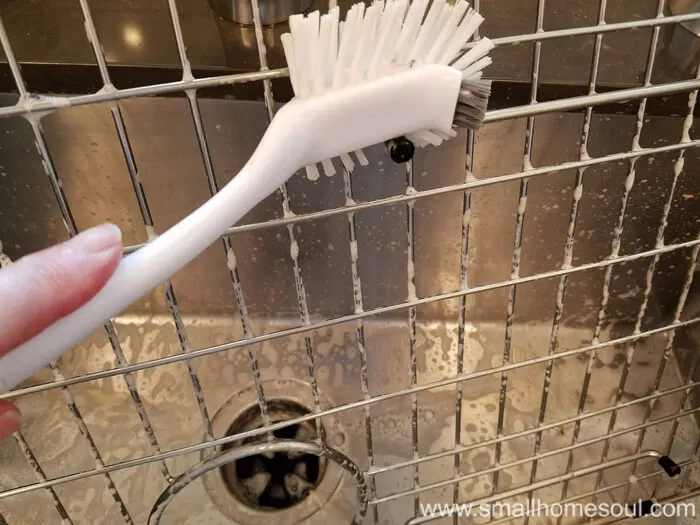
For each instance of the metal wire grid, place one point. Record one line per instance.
(32, 108)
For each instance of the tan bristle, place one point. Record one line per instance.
(472, 103)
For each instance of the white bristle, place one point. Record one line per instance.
(417, 140)
(382, 39)
(445, 136)
(469, 25)
(345, 33)
(457, 39)
(346, 52)
(312, 172)
(348, 164)
(410, 28)
(321, 66)
(433, 31)
(361, 158)
(427, 136)
(380, 48)
(288, 47)
(385, 46)
(328, 167)
(313, 54)
(425, 31)
(480, 50)
(305, 57)
(447, 31)
(365, 43)
(296, 24)
(383, 67)
(301, 54)
(477, 66)
(384, 19)
(332, 51)
(437, 31)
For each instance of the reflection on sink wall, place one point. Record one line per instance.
(90, 164)
(141, 33)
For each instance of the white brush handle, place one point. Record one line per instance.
(302, 133)
(151, 265)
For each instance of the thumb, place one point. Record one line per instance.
(42, 287)
(9, 419)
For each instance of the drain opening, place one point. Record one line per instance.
(273, 481)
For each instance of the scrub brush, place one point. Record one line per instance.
(388, 70)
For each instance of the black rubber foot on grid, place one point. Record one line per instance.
(671, 468)
(642, 508)
(400, 149)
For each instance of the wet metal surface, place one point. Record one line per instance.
(455, 389)
(114, 423)
(96, 182)
(140, 33)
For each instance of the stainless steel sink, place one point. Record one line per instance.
(406, 316)
(206, 316)
(169, 400)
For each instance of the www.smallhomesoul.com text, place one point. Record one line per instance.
(556, 510)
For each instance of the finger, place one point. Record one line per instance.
(43, 287)
(9, 419)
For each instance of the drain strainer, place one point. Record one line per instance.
(275, 480)
(287, 485)
(300, 447)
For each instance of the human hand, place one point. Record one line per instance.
(44, 286)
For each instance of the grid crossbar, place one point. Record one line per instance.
(33, 108)
(349, 318)
(375, 400)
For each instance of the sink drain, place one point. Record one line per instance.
(285, 486)
(275, 480)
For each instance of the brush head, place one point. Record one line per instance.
(389, 39)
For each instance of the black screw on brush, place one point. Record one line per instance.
(400, 149)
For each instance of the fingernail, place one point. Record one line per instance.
(99, 238)
(9, 421)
